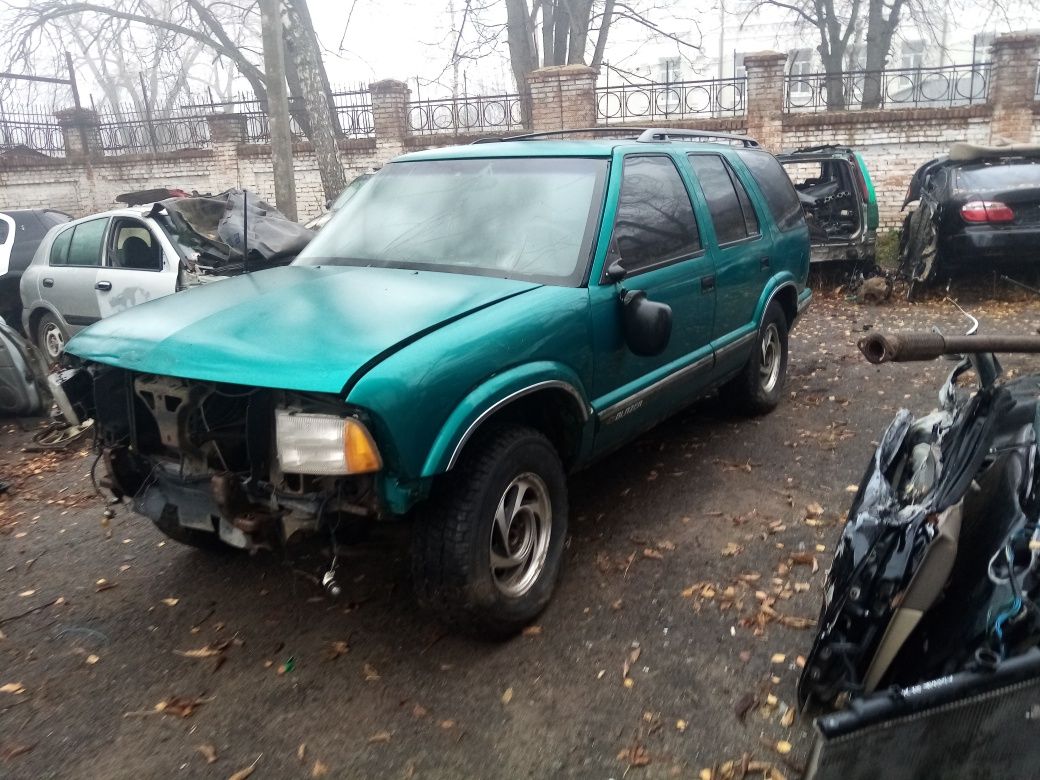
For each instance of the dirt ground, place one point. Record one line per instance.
(703, 545)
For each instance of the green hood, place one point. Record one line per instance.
(295, 328)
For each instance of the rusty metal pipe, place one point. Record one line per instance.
(906, 347)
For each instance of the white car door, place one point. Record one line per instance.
(7, 233)
(139, 266)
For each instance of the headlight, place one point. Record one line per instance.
(324, 444)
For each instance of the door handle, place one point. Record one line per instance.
(707, 283)
(103, 286)
(48, 282)
(763, 261)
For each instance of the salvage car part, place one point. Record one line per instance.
(19, 388)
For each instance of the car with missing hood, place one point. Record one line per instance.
(839, 201)
(977, 207)
(474, 324)
(103, 264)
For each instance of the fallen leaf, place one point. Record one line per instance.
(26, 593)
(204, 652)
(778, 658)
(245, 772)
(92, 659)
(335, 650)
(532, 631)
(787, 719)
(170, 602)
(731, 549)
(418, 711)
(319, 770)
(371, 675)
(666, 544)
(379, 737)
(180, 706)
(507, 696)
(650, 552)
(814, 510)
(208, 752)
(635, 755)
(630, 659)
(447, 724)
(301, 752)
(680, 725)
(783, 747)
(15, 688)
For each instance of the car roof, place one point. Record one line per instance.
(604, 148)
(827, 150)
(141, 212)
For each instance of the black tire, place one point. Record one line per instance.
(47, 330)
(455, 535)
(756, 391)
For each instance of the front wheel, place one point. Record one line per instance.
(489, 551)
(759, 385)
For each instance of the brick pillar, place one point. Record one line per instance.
(226, 133)
(562, 97)
(390, 114)
(1012, 86)
(81, 130)
(765, 98)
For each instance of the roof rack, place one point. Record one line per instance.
(654, 134)
(640, 134)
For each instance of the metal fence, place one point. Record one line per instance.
(675, 100)
(129, 131)
(36, 130)
(466, 115)
(941, 86)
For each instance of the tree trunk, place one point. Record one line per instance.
(561, 32)
(604, 30)
(309, 70)
(307, 31)
(879, 43)
(548, 30)
(834, 82)
(581, 18)
(522, 56)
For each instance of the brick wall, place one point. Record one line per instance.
(893, 142)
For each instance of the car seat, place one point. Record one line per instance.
(137, 254)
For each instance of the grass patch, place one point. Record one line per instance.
(888, 249)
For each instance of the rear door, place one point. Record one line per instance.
(736, 242)
(137, 268)
(68, 281)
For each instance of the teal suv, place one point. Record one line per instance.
(476, 323)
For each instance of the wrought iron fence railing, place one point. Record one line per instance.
(129, 131)
(676, 100)
(35, 130)
(941, 86)
(466, 115)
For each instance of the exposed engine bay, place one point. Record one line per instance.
(201, 459)
(930, 623)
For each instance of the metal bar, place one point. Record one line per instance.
(23, 77)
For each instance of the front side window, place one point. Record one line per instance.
(775, 186)
(530, 218)
(728, 203)
(655, 223)
(134, 247)
(80, 245)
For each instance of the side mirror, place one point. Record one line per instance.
(328, 204)
(616, 272)
(647, 325)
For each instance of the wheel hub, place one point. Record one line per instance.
(772, 354)
(520, 535)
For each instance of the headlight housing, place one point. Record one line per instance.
(324, 444)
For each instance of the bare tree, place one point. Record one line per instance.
(880, 29)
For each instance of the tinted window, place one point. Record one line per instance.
(30, 228)
(60, 247)
(655, 221)
(85, 248)
(728, 203)
(776, 187)
(997, 177)
(5, 231)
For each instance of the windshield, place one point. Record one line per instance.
(518, 218)
(349, 192)
(983, 178)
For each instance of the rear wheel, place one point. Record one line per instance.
(51, 337)
(489, 552)
(759, 385)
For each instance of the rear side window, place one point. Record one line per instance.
(655, 222)
(991, 178)
(5, 231)
(728, 203)
(80, 246)
(776, 187)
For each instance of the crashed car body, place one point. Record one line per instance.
(103, 264)
(474, 323)
(929, 633)
(838, 198)
(977, 207)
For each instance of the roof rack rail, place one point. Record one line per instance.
(655, 134)
(628, 131)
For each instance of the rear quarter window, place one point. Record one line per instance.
(991, 178)
(776, 187)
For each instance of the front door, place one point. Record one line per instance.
(657, 240)
(136, 267)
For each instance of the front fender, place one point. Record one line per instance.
(495, 394)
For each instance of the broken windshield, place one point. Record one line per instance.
(519, 218)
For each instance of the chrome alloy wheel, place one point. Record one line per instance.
(520, 535)
(772, 355)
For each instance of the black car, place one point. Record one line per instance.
(978, 206)
(21, 231)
